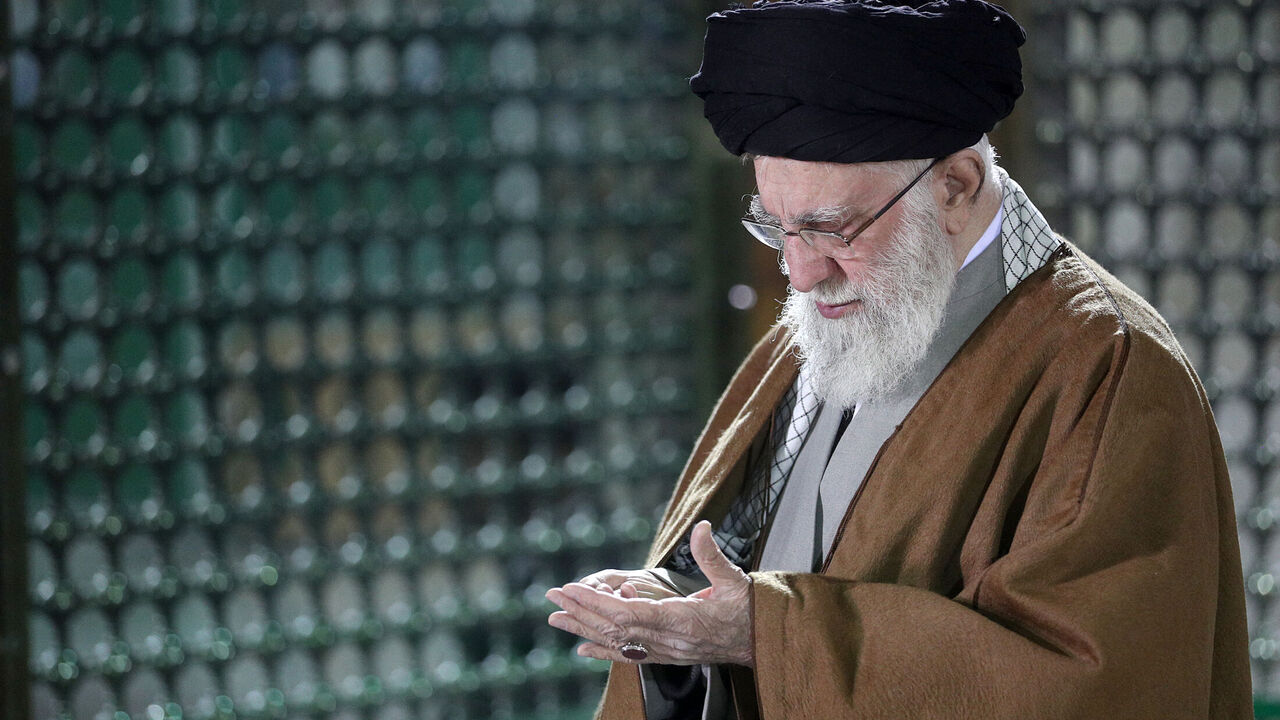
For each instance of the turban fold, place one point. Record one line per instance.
(858, 81)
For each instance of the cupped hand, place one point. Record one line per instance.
(711, 626)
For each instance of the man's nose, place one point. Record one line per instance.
(806, 267)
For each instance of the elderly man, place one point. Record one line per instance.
(971, 474)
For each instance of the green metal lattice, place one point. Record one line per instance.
(346, 329)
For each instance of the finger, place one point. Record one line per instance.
(711, 560)
(625, 612)
(556, 596)
(600, 652)
(566, 622)
(604, 577)
(658, 654)
(645, 590)
(659, 649)
(600, 627)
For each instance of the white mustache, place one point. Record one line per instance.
(838, 293)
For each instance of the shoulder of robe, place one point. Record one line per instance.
(1075, 313)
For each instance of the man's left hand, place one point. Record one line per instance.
(711, 626)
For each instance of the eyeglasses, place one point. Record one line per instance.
(831, 244)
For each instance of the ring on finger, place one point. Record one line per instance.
(633, 650)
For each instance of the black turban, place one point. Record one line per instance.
(858, 81)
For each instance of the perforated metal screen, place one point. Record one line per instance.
(347, 329)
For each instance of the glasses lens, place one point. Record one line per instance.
(828, 244)
(767, 234)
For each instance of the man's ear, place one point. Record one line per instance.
(963, 175)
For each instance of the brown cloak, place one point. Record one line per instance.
(1048, 534)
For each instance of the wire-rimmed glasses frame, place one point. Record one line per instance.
(829, 243)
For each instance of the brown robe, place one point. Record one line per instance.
(1048, 534)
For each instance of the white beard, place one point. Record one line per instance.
(869, 352)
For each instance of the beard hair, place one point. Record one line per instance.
(867, 354)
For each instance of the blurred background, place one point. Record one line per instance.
(333, 332)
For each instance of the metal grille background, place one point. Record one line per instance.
(347, 329)
(1159, 153)
(337, 317)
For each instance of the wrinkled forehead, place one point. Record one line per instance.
(792, 188)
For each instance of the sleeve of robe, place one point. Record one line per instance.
(1109, 602)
